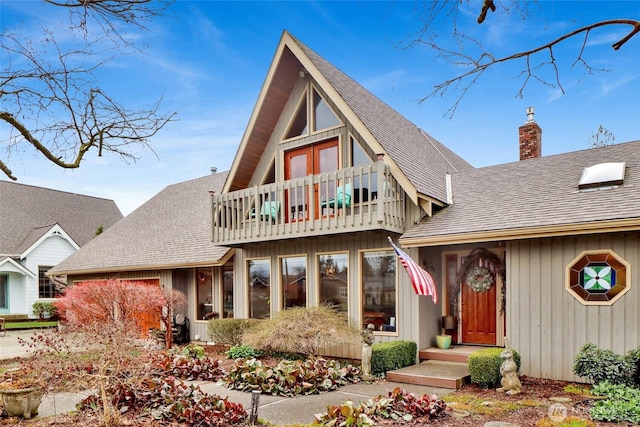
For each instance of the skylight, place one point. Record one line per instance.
(602, 175)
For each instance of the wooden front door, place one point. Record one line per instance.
(305, 161)
(478, 315)
(480, 320)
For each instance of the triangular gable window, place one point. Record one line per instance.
(323, 116)
(299, 125)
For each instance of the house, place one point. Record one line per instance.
(40, 227)
(567, 228)
(165, 242)
(543, 251)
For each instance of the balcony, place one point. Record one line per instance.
(361, 198)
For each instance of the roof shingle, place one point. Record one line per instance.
(170, 230)
(540, 192)
(27, 212)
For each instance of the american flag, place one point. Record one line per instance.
(423, 283)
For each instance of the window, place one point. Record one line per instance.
(333, 282)
(46, 287)
(227, 291)
(602, 175)
(298, 126)
(204, 277)
(4, 297)
(259, 276)
(598, 277)
(323, 117)
(369, 185)
(379, 289)
(293, 279)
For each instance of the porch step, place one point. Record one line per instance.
(457, 353)
(434, 373)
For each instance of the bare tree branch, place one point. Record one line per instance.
(52, 102)
(478, 65)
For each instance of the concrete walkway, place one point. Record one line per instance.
(278, 410)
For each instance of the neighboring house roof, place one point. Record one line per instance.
(535, 198)
(28, 213)
(172, 229)
(420, 158)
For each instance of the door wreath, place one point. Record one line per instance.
(479, 279)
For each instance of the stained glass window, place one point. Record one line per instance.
(598, 277)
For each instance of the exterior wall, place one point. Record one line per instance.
(17, 290)
(546, 324)
(49, 253)
(180, 279)
(416, 316)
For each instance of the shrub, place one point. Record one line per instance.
(387, 356)
(40, 308)
(303, 329)
(230, 331)
(400, 405)
(194, 351)
(600, 365)
(484, 366)
(634, 357)
(621, 405)
(291, 378)
(170, 400)
(186, 368)
(242, 352)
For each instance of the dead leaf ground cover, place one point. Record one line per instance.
(469, 406)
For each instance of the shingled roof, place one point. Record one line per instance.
(423, 159)
(172, 229)
(28, 212)
(536, 197)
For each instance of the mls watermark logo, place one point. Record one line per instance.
(557, 412)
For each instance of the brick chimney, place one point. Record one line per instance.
(530, 137)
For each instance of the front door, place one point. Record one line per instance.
(480, 320)
(305, 161)
(478, 315)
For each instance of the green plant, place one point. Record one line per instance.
(170, 400)
(291, 378)
(242, 352)
(40, 308)
(303, 329)
(600, 365)
(567, 422)
(634, 358)
(621, 405)
(187, 368)
(230, 331)
(400, 406)
(484, 366)
(194, 351)
(392, 355)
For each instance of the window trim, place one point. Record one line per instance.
(317, 284)
(572, 276)
(247, 309)
(361, 290)
(281, 291)
(43, 272)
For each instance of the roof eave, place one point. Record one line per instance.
(557, 230)
(127, 268)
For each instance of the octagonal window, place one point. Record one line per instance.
(598, 277)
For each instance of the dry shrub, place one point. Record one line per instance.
(303, 330)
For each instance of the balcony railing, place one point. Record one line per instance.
(346, 200)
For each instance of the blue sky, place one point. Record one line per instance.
(208, 61)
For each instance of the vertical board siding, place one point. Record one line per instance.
(546, 324)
